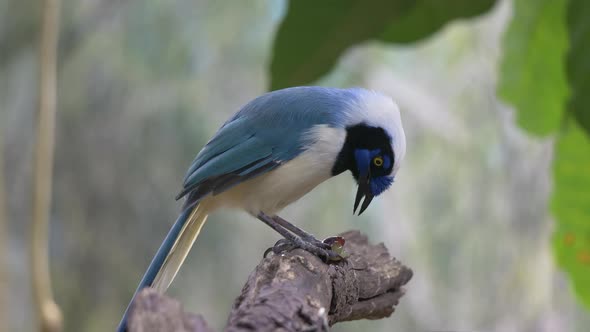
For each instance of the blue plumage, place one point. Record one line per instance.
(380, 184)
(267, 131)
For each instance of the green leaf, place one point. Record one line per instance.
(571, 198)
(578, 61)
(571, 207)
(533, 78)
(427, 16)
(534, 81)
(314, 33)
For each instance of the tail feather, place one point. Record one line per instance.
(171, 254)
(180, 249)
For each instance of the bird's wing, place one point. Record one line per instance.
(268, 131)
(243, 148)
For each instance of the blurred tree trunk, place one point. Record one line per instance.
(48, 313)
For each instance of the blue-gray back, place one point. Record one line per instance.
(264, 133)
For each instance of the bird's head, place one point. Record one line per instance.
(373, 149)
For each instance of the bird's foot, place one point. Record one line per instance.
(330, 250)
(313, 241)
(295, 237)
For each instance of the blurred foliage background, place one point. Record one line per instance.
(491, 208)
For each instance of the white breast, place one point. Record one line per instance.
(273, 191)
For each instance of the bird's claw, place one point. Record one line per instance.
(317, 243)
(330, 250)
(281, 246)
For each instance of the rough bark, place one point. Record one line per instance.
(295, 291)
(153, 311)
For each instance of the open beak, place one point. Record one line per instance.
(364, 190)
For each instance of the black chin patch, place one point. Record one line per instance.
(362, 136)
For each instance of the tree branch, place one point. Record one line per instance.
(295, 291)
(49, 314)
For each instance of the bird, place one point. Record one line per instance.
(274, 150)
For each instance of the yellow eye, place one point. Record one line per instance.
(378, 161)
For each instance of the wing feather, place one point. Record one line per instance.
(265, 133)
(246, 155)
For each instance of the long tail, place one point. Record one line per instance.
(171, 254)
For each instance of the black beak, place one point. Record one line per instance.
(364, 190)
